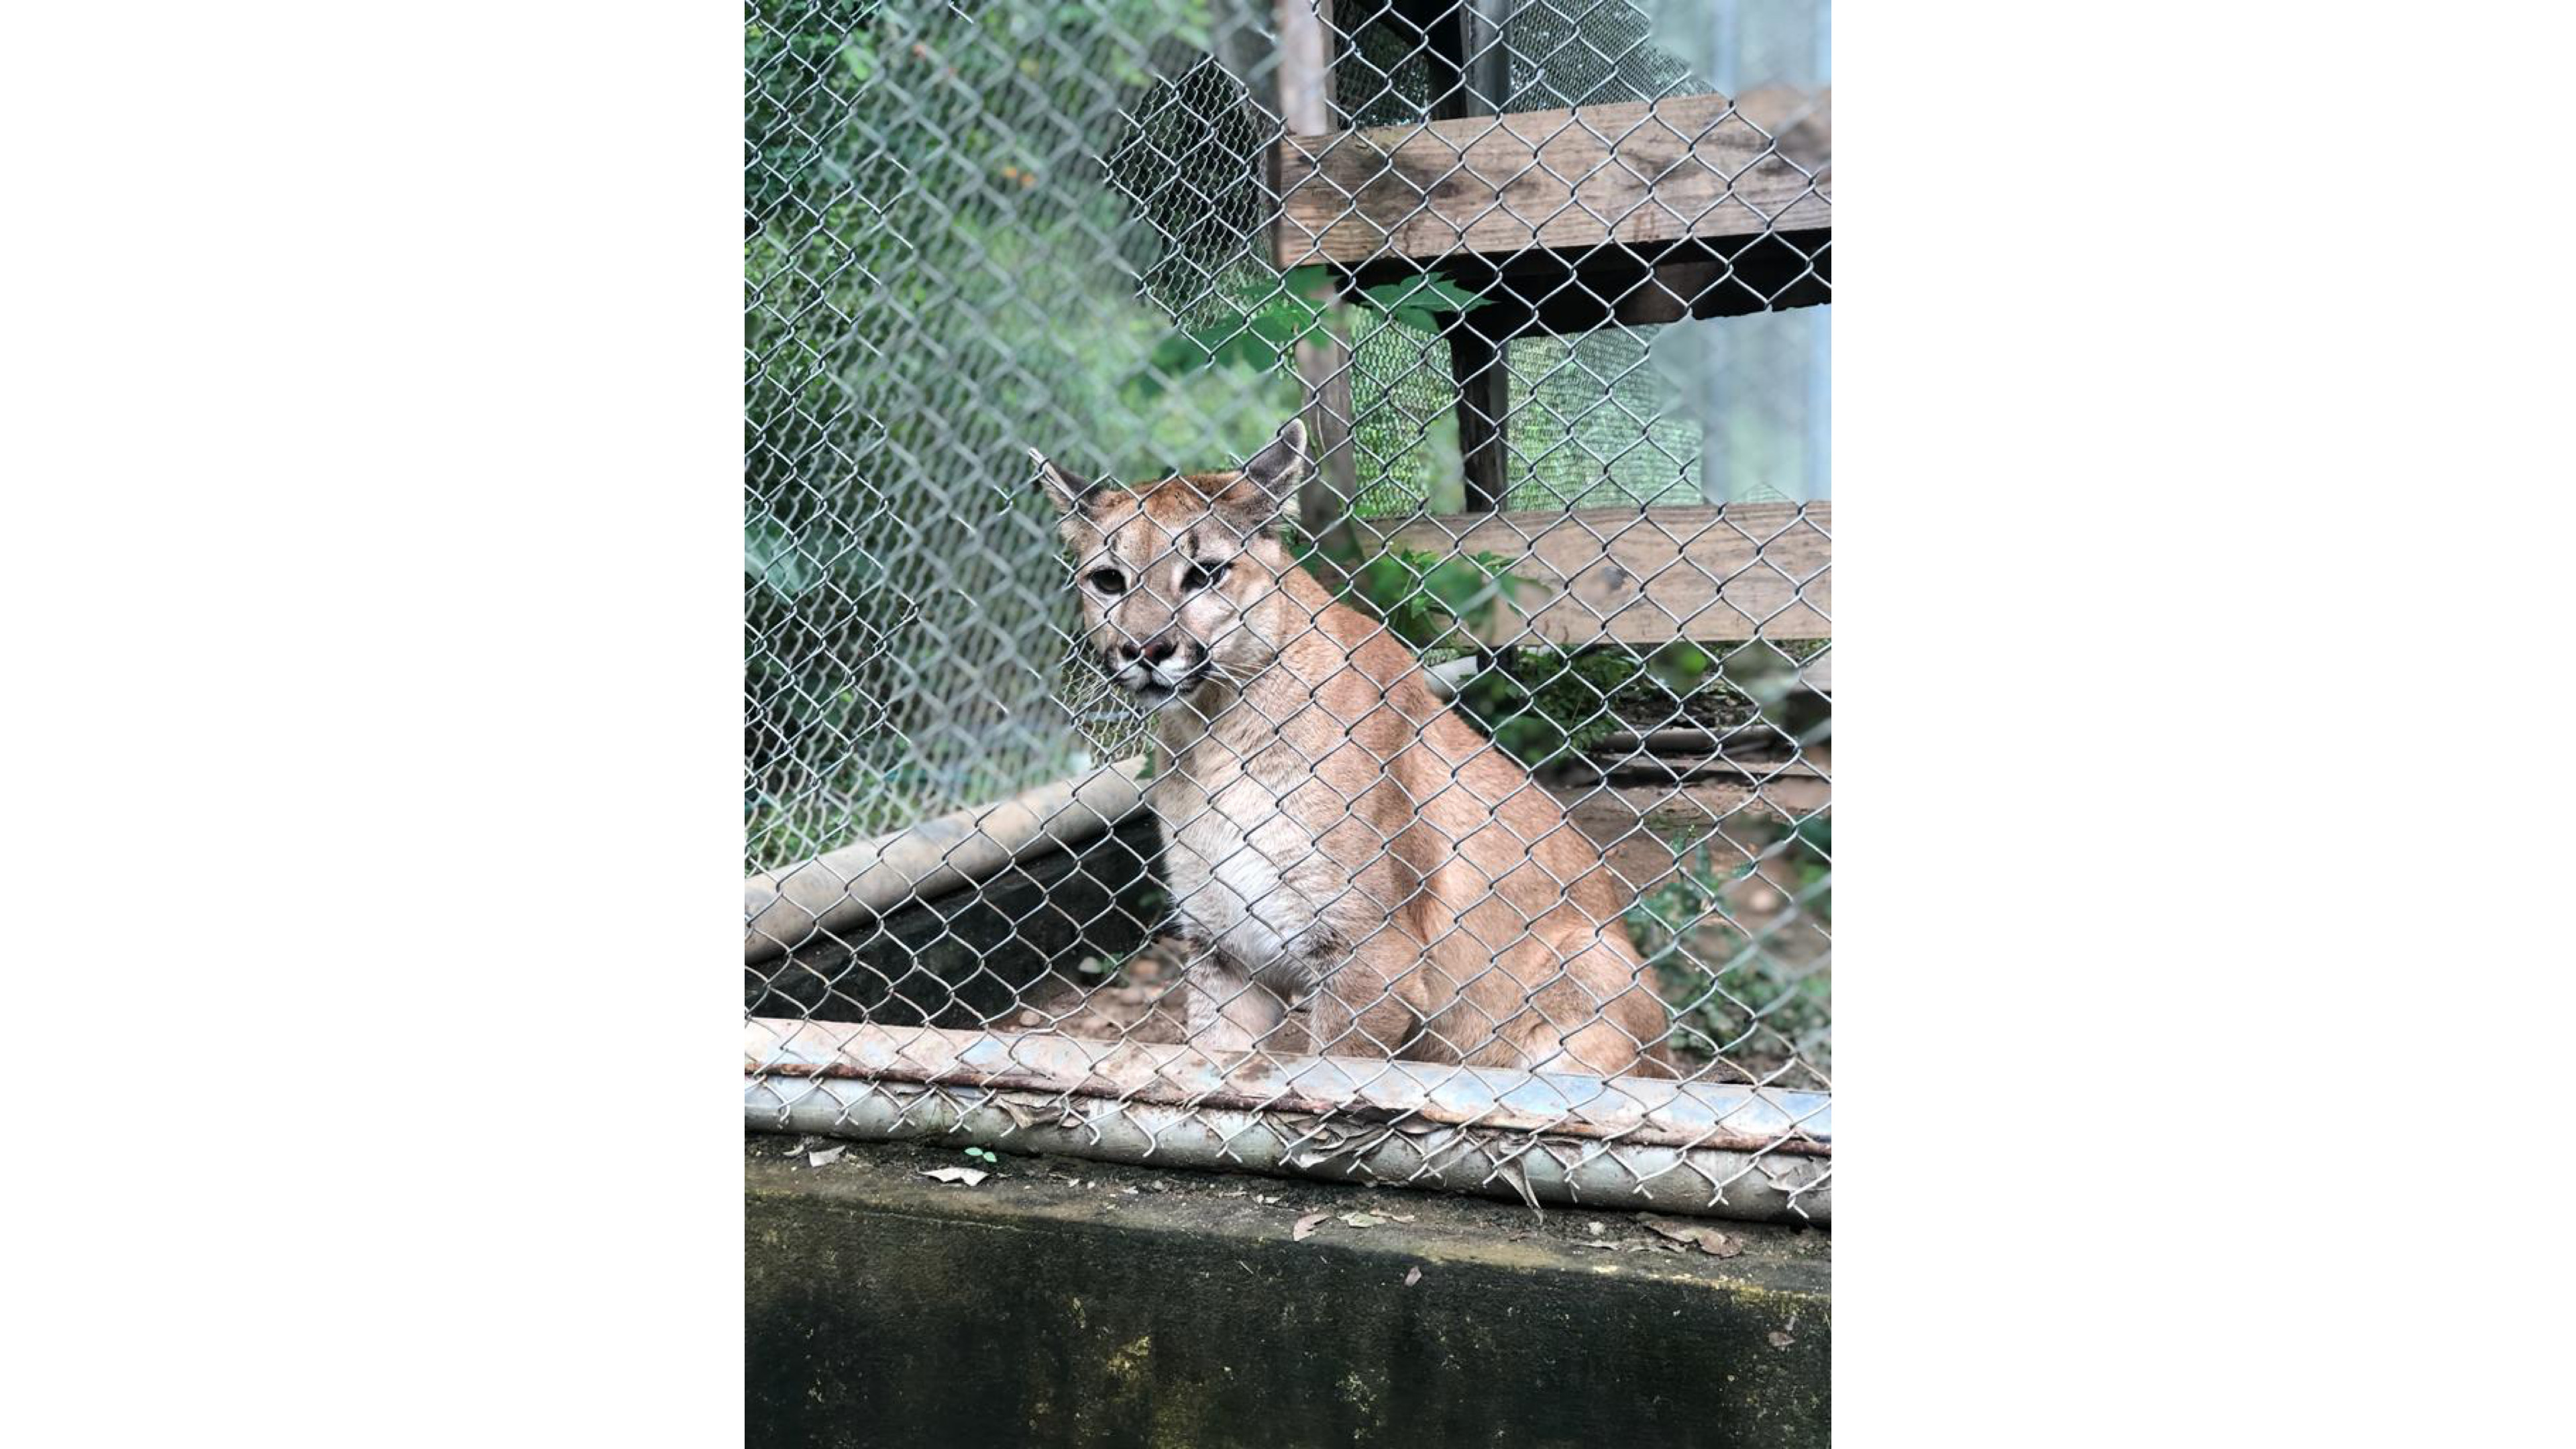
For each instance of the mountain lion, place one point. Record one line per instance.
(1337, 841)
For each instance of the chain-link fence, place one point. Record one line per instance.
(1387, 733)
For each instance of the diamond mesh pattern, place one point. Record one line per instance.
(1595, 845)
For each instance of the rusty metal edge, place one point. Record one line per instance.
(1635, 1111)
(1530, 1168)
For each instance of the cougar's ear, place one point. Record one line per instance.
(1062, 489)
(1272, 475)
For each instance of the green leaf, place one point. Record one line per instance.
(770, 555)
(1423, 293)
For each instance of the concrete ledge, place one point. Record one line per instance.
(1066, 1302)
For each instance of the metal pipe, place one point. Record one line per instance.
(859, 882)
(1564, 1137)
(1530, 1169)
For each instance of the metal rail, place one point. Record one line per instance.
(1540, 1137)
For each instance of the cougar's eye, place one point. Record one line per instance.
(1107, 581)
(1204, 575)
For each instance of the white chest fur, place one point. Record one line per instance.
(1245, 874)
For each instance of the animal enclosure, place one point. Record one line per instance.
(1538, 287)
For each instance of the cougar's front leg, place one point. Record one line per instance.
(1354, 1010)
(1224, 1009)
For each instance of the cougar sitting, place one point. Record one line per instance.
(1337, 841)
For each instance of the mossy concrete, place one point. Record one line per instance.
(1064, 1302)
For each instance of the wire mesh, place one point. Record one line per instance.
(1388, 732)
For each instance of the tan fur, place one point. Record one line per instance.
(1338, 842)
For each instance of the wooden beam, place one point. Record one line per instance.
(1309, 106)
(1470, 75)
(1644, 832)
(1651, 576)
(1638, 173)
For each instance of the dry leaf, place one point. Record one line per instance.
(1594, 1228)
(1306, 1227)
(826, 1157)
(1781, 1340)
(967, 1175)
(1362, 1220)
(1412, 1276)
(1708, 1240)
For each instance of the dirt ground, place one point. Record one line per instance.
(1141, 1001)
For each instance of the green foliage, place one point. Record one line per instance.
(1813, 866)
(927, 295)
(1263, 338)
(1544, 706)
(1734, 993)
(1423, 597)
(1419, 301)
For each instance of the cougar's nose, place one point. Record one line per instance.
(1125, 652)
(1162, 649)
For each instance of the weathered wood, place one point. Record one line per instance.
(1637, 826)
(1633, 287)
(1708, 574)
(1477, 345)
(1309, 105)
(1470, 76)
(1633, 174)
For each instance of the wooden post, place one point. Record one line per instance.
(1471, 76)
(1306, 106)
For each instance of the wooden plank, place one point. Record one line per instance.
(1634, 174)
(1650, 576)
(1644, 832)
(1619, 287)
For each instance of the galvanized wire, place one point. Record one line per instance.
(971, 231)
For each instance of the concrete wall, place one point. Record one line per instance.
(1074, 1303)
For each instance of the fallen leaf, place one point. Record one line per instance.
(1707, 1239)
(1362, 1220)
(826, 1157)
(1594, 1227)
(1412, 1276)
(1274, 1202)
(967, 1175)
(1306, 1227)
(1781, 1340)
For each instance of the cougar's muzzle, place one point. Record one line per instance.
(1160, 667)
